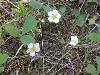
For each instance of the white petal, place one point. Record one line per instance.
(32, 53)
(28, 51)
(50, 19)
(25, 1)
(76, 40)
(75, 37)
(58, 15)
(50, 13)
(56, 20)
(72, 38)
(72, 43)
(36, 44)
(30, 45)
(37, 47)
(55, 11)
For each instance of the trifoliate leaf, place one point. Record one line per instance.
(3, 58)
(62, 10)
(26, 39)
(80, 20)
(47, 8)
(76, 12)
(97, 60)
(12, 30)
(94, 37)
(35, 4)
(90, 68)
(1, 69)
(98, 68)
(30, 22)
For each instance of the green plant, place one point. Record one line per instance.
(95, 37)
(30, 23)
(92, 69)
(92, 20)
(80, 18)
(35, 4)
(91, 0)
(3, 59)
(21, 10)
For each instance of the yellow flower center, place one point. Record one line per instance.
(74, 41)
(54, 16)
(33, 48)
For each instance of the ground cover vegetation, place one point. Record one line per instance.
(49, 37)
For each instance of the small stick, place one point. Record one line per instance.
(17, 52)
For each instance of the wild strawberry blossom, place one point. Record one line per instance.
(25, 1)
(42, 20)
(74, 40)
(32, 48)
(54, 16)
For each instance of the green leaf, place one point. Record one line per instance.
(94, 74)
(30, 22)
(16, 11)
(91, 0)
(47, 8)
(1, 30)
(80, 20)
(97, 60)
(3, 58)
(98, 69)
(53, 8)
(62, 10)
(12, 30)
(35, 4)
(28, 10)
(26, 39)
(91, 21)
(76, 12)
(21, 7)
(1, 69)
(90, 68)
(94, 37)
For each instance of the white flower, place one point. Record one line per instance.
(54, 16)
(32, 48)
(42, 20)
(74, 40)
(25, 1)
